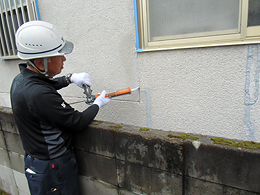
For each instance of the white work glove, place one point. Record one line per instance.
(80, 78)
(102, 100)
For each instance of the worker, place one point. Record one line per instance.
(46, 122)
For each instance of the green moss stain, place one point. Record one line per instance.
(144, 129)
(183, 136)
(116, 126)
(174, 136)
(241, 144)
(97, 122)
(2, 193)
(222, 141)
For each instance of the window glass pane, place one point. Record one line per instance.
(177, 17)
(254, 13)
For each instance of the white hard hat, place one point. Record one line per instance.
(39, 39)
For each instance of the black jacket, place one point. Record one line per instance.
(46, 123)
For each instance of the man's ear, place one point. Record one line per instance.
(39, 63)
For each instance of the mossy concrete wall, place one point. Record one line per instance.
(126, 160)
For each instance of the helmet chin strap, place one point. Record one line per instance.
(45, 72)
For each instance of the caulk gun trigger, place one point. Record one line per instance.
(87, 92)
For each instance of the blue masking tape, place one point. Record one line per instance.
(37, 10)
(138, 49)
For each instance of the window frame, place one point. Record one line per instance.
(246, 35)
(12, 16)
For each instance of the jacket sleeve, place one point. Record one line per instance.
(60, 82)
(50, 107)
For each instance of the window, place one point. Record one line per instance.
(13, 13)
(174, 24)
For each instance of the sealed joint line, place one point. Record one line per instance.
(148, 107)
(248, 100)
(250, 134)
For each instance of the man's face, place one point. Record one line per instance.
(55, 65)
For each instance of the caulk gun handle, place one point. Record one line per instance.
(88, 91)
(117, 93)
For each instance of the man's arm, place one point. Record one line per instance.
(61, 82)
(50, 107)
(78, 78)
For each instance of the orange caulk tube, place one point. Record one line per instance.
(117, 93)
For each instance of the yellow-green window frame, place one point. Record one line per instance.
(246, 35)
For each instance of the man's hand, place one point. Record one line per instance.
(80, 78)
(102, 100)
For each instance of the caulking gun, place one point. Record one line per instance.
(90, 98)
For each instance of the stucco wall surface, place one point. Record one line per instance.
(201, 91)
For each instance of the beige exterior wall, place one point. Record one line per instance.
(191, 90)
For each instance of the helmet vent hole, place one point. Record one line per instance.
(34, 45)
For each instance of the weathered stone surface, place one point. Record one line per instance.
(145, 180)
(125, 192)
(95, 187)
(7, 120)
(14, 142)
(97, 166)
(129, 160)
(195, 186)
(96, 140)
(7, 180)
(223, 165)
(4, 158)
(149, 150)
(2, 140)
(17, 161)
(21, 183)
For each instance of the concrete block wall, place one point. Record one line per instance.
(12, 178)
(117, 159)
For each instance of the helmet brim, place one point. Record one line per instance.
(67, 49)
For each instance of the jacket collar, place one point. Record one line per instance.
(31, 74)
